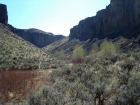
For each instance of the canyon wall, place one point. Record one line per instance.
(118, 15)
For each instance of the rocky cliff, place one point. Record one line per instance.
(3, 14)
(119, 16)
(37, 37)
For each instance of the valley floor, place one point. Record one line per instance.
(41, 78)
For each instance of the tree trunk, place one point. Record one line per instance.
(95, 101)
(102, 102)
(99, 102)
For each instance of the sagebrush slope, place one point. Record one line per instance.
(16, 53)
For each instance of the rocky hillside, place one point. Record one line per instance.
(37, 37)
(55, 46)
(120, 22)
(120, 18)
(16, 53)
(68, 46)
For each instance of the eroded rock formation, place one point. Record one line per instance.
(3, 14)
(37, 37)
(118, 15)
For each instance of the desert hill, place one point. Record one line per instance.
(16, 53)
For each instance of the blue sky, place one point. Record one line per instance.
(56, 16)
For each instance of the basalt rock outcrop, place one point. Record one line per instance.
(37, 37)
(3, 14)
(120, 18)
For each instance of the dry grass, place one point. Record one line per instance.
(13, 83)
(42, 78)
(16, 84)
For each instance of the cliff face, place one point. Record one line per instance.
(37, 37)
(119, 14)
(3, 14)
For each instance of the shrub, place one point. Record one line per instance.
(95, 48)
(34, 98)
(47, 96)
(108, 48)
(60, 54)
(78, 54)
(129, 95)
(13, 83)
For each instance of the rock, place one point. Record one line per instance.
(12, 28)
(119, 15)
(37, 37)
(11, 95)
(3, 14)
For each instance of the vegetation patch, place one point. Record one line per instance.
(16, 53)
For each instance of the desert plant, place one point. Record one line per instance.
(95, 48)
(107, 48)
(129, 94)
(13, 83)
(52, 96)
(60, 54)
(77, 90)
(34, 98)
(78, 54)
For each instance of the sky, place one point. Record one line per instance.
(55, 16)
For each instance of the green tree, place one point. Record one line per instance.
(60, 54)
(78, 54)
(107, 48)
(95, 48)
